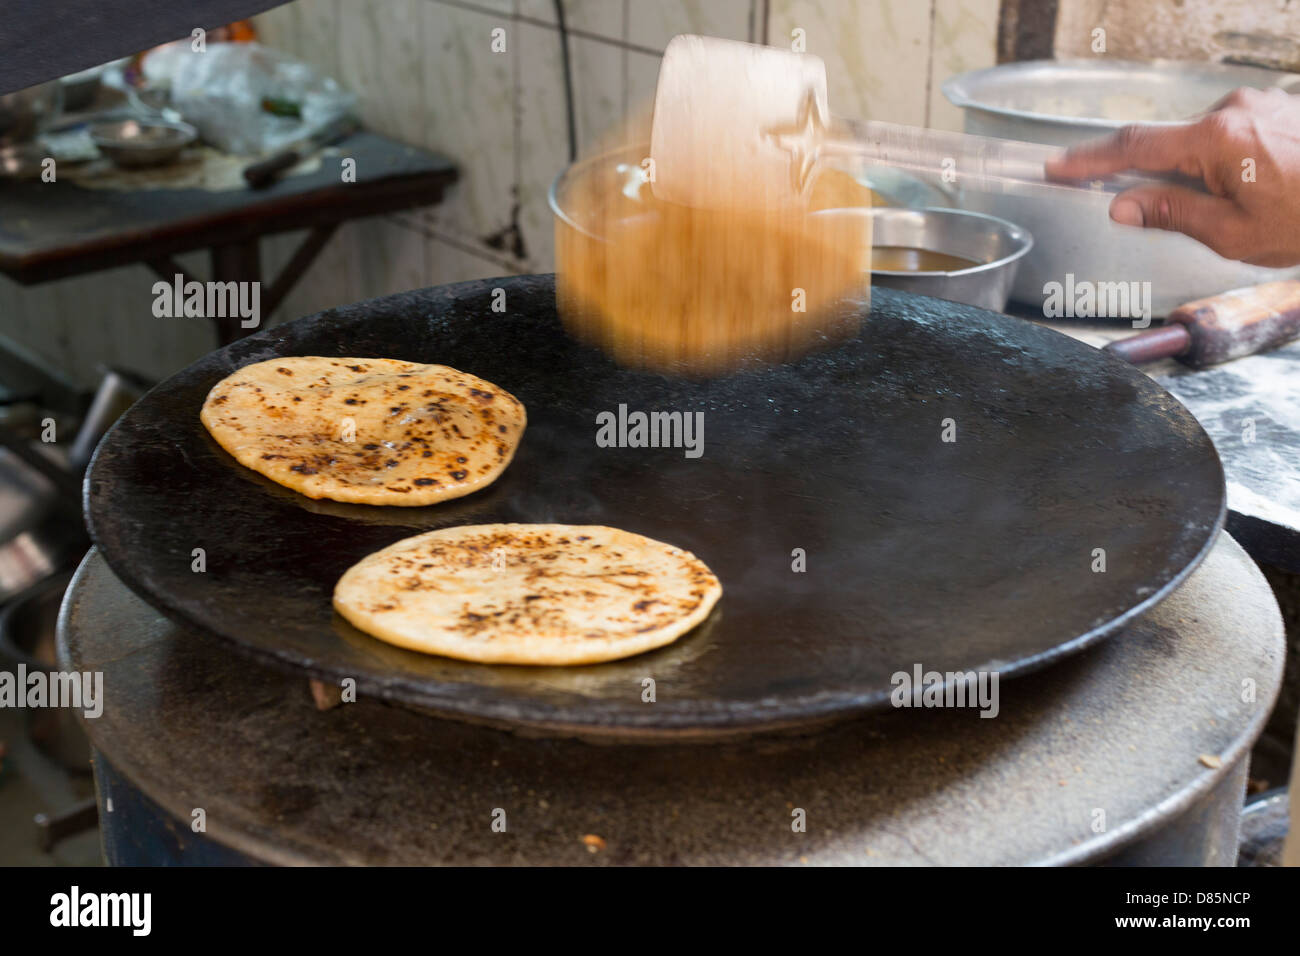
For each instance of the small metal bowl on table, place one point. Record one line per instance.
(137, 143)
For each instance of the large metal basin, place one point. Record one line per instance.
(1061, 103)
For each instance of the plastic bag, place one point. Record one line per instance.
(245, 98)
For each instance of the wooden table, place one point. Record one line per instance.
(56, 230)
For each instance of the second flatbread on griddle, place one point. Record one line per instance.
(528, 593)
(367, 431)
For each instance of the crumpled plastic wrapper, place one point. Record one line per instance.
(221, 91)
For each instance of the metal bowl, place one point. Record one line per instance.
(135, 143)
(995, 245)
(1063, 102)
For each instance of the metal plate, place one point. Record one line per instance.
(954, 556)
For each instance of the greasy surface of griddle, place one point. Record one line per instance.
(973, 554)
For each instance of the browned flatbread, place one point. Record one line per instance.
(367, 431)
(528, 593)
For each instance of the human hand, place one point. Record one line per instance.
(1247, 152)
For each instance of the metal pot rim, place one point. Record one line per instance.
(1017, 234)
(185, 134)
(956, 88)
(574, 169)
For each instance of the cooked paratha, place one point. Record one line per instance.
(367, 431)
(528, 593)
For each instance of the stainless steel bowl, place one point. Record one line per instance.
(1061, 103)
(997, 246)
(135, 143)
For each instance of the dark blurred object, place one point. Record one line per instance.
(1274, 751)
(1263, 829)
(118, 390)
(134, 144)
(41, 529)
(266, 171)
(27, 633)
(41, 41)
(25, 113)
(1260, 49)
(51, 830)
(241, 31)
(279, 106)
(81, 88)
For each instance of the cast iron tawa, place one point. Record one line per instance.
(982, 553)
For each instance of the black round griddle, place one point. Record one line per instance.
(952, 556)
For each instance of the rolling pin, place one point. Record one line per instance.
(1220, 328)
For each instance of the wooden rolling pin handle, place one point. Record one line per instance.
(263, 173)
(1241, 322)
(1166, 341)
(1222, 327)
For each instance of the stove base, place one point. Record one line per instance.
(1134, 752)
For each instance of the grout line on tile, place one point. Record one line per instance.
(537, 22)
(929, 65)
(627, 82)
(480, 8)
(336, 14)
(516, 115)
(587, 35)
(426, 108)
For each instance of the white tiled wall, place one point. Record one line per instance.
(424, 73)
(1263, 32)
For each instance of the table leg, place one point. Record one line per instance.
(236, 262)
(242, 262)
(50, 829)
